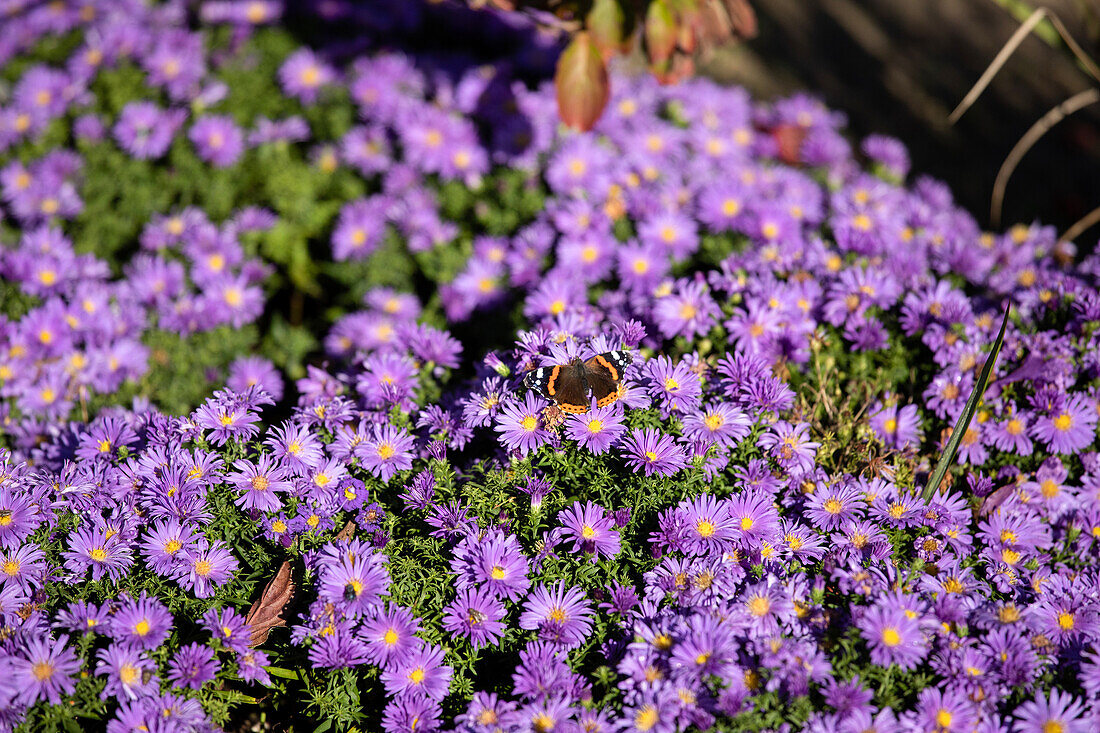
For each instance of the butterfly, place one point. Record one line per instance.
(572, 386)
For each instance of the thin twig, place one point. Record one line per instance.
(1010, 47)
(1081, 225)
(1040, 128)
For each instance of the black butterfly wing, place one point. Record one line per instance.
(604, 372)
(563, 383)
(571, 388)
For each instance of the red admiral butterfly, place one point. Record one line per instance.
(573, 385)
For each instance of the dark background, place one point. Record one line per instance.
(899, 67)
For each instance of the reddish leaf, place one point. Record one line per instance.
(267, 613)
(606, 24)
(789, 139)
(742, 18)
(581, 82)
(660, 33)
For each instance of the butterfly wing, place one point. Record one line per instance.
(563, 383)
(604, 372)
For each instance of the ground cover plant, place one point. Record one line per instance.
(268, 458)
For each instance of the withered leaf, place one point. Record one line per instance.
(347, 532)
(267, 612)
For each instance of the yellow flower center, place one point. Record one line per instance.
(1066, 621)
(260, 483)
(833, 506)
(497, 573)
(143, 627)
(529, 423)
(390, 637)
(890, 636)
(646, 718)
(759, 606)
(203, 568)
(944, 718)
(98, 554)
(1063, 422)
(42, 671)
(595, 426)
(385, 451)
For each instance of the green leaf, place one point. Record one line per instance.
(286, 674)
(963, 423)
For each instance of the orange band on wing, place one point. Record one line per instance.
(550, 383)
(611, 397)
(605, 363)
(573, 409)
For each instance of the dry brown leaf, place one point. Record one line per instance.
(267, 612)
(347, 533)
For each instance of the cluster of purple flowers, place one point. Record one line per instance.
(775, 566)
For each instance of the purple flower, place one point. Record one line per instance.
(129, 672)
(598, 429)
(476, 614)
(897, 427)
(192, 666)
(653, 452)
(250, 371)
(591, 530)
(789, 446)
(259, 483)
(217, 140)
(295, 447)
(389, 635)
(353, 577)
(420, 672)
(389, 451)
(42, 669)
(205, 566)
(561, 614)
(145, 131)
(228, 627)
(1060, 712)
(302, 75)
(105, 554)
(141, 622)
(894, 636)
(1070, 428)
(496, 562)
(676, 387)
(520, 427)
(718, 424)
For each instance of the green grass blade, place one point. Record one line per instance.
(963, 423)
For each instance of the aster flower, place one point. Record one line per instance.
(789, 445)
(205, 566)
(717, 424)
(192, 666)
(259, 483)
(42, 669)
(141, 622)
(93, 547)
(520, 427)
(590, 529)
(653, 452)
(598, 429)
(676, 387)
(561, 614)
(894, 636)
(420, 672)
(389, 451)
(475, 614)
(389, 635)
(1069, 429)
(128, 671)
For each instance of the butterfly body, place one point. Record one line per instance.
(572, 386)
